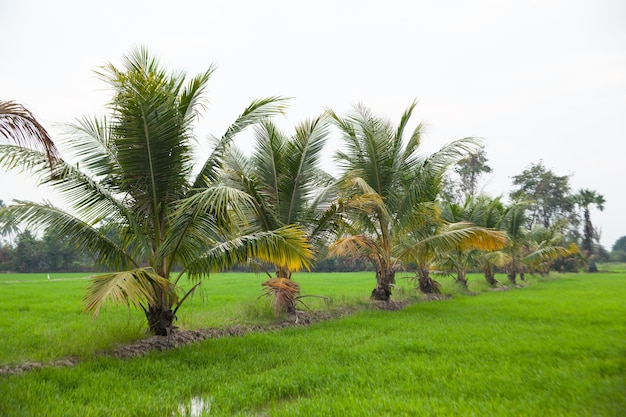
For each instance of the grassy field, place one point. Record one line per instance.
(46, 321)
(555, 348)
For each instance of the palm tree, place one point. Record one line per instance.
(513, 223)
(543, 246)
(283, 178)
(382, 169)
(137, 200)
(584, 199)
(482, 212)
(286, 186)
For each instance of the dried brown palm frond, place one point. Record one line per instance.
(18, 125)
(283, 294)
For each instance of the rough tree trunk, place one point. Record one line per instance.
(426, 283)
(160, 320)
(283, 272)
(511, 275)
(490, 276)
(460, 278)
(384, 283)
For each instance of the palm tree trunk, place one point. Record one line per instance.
(283, 272)
(160, 320)
(426, 283)
(490, 276)
(160, 316)
(460, 278)
(511, 275)
(384, 282)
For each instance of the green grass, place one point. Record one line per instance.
(555, 348)
(619, 267)
(46, 321)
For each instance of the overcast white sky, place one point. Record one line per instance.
(539, 80)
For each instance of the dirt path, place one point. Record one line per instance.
(184, 337)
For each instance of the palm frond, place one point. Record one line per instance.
(283, 294)
(19, 126)
(286, 246)
(257, 111)
(137, 287)
(458, 236)
(82, 234)
(355, 246)
(302, 161)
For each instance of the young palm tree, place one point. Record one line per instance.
(513, 223)
(283, 178)
(481, 211)
(543, 247)
(135, 200)
(382, 167)
(286, 186)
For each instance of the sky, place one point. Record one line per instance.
(539, 81)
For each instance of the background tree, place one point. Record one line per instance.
(135, 173)
(618, 251)
(29, 253)
(547, 195)
(585, 199)
(469, 171)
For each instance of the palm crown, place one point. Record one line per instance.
(135, 200)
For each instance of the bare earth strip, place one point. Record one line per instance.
(184, 337)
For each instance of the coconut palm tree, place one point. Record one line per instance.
(513, 223)
(139, 201)
(286, 185)
(481, 211)
(283, 177)
(543, 246)
(381, 166)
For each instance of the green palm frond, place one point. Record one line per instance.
(89, 141)
(286, 246)
(303, 155)
(240, 171)
(201, 220)
(138, 287)
(496, 258)
(82, 234)
(458, 236)
(256, 112)
(550, 252)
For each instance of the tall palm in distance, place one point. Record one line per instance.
(135, 201)
(585, 198)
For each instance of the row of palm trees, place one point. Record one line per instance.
(139, 200)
